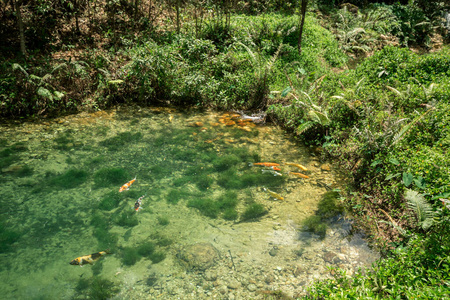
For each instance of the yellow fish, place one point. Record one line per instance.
(88, 259)
(274, 195)
(303, 168)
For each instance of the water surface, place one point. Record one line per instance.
(60, 199)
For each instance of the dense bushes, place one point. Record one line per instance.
(258, 53)
(387, 122)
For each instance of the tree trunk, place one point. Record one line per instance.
(178, 15)
(77, 24)
(302, 21)
(17, 4)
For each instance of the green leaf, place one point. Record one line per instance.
(394, 161)
(375, 163)
(117, 81)
(407, 179)
(286, 91)
(43, 92)
(420, 182)
(303, 127)
(58, 95)
(389, 177)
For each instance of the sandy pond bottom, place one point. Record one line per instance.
(58, 204)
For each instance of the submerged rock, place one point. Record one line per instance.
(199, 256)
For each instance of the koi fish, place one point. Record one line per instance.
(273, 172)
(88, 259)
(275, 168)
(303, 168)
(138, 203)
(299, 175)
(266, 164)
(274, 195)
(127, 185)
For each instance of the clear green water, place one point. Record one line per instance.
(59, 199)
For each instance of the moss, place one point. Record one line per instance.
(230, 214)
(160, 171)
(229, 179)
(23, 171)
(328, 206)
(99, 220)
(70, 179)
(316, 225)
(130, 256)
(7, 238)
(120, 140)
(253, 211)
(206, 206)
(100, 289)
(228, 200)
(106, 177)
(110, 201)
(176, 195)
(244, 155)
(204, 182)
(157, 257)
(146, 249)
(82, 284)
(225, 162)
(187, 155)
(96, 161)
(8, 160)
(163, 221)
(126, 219)
(181, 181)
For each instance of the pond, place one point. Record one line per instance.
(201, 220)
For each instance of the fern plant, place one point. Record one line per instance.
(263, 68)
(421, 207)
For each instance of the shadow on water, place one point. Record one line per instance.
(197, 195)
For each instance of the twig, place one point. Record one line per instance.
(232, 261)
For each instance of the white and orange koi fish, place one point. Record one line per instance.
(138, 203)
(127, 185)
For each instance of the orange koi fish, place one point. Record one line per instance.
(127, 185)
(299, 175)
(88, 259)
(276, 168)
(138, 203)
(266, 164)
(303, 168)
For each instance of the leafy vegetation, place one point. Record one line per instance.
(383, 116)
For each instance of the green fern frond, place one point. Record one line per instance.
(16, 66)
(305, 126)
(319, 117)
(423, 210)
(399, 135)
